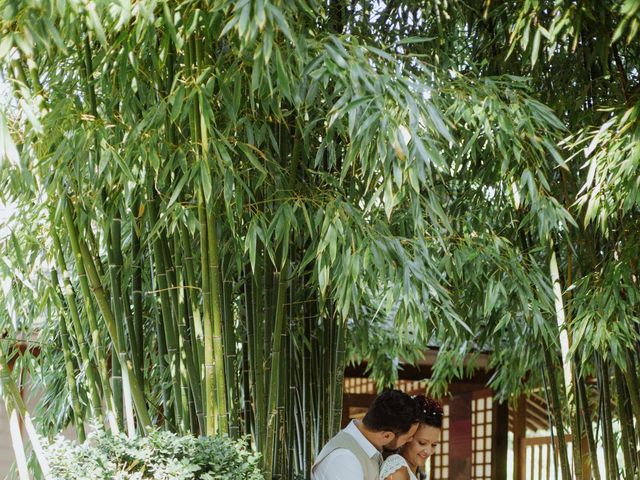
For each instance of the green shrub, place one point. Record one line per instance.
(159, 456)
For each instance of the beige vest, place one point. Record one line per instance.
(370, 466)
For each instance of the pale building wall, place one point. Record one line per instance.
(6, 450)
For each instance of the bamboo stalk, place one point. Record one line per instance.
(634, 385)
(255, 298)
(10, 391)
(230, 358)
(247, 410)
(16, 442)
(560, 319)
(137, 332)
(337, 386)
(91, 317)
(112, 240)
(611, 463)
(216, 316)
(626, 426)
(68, 364)
(586, 418)
(89, 367)
(209, 372)
(556, 407)
(175, 410)
(193, 324)
(191, 382)
(274, 379)
(188, 261)
(181, 397)
(104, 305)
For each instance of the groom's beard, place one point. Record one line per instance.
(392, 446)
(386, 451)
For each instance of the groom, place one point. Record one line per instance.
(355, 453)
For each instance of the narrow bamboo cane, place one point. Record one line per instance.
(136, 389)
(247, 412)
(216, 316)
(339, 365)
(252, 353)
(16, 442)
(136, 293)
(104, 305)
(626, 425)
(193, 323)
(196, 317)
(191, 379)
(120, 282)
(209, 372)
(588, 425)
(96, 342)
(78, 417)
(230, 356)
(161, 350)
(283, 458)
(576, 432)
(557, 416)
(631, 378)
(274, 379)
(10, 391)
(633, 431)
(112, 236)
(611, 463)
(175, 413)
(306, 384)
(255, 298)
(89, 367)
(181, 379)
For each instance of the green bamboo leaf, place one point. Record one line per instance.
(275, 14)
(283, 76)
(176, 104)
(438, 122)
(535, 47)
(95, 24)
(205, 179)
(5, 45)
(177, 191)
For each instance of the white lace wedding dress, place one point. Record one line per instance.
(394, 463)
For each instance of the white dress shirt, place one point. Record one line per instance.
(341, 464)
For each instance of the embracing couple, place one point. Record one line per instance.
(406, 427)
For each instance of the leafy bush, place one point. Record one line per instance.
(159, 456)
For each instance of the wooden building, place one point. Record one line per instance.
(475, 437)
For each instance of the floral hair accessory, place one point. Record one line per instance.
(428, 406)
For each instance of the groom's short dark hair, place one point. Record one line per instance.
(393, 411)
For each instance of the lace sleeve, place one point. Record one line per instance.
(392, 464)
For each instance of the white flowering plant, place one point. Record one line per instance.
(160, 455)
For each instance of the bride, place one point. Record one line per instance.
(409, 462)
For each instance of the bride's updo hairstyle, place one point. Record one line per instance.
(430, 411)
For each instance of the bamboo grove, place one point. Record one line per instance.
(221, 203)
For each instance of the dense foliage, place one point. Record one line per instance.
(159, 456)
(212, 192)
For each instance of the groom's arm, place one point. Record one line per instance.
(340, 464)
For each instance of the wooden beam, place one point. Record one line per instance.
(500, 441)
(519, 433)
(479, 378)
(460, 436)
(531, 425)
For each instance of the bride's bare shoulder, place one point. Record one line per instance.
(400, 474)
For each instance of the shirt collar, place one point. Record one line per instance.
(366, 445)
